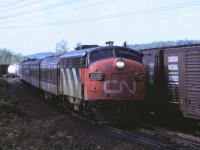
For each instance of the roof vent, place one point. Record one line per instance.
(85, 46)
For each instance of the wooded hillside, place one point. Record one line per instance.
(162, 44)
(8, 57)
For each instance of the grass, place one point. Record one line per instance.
(18, 132)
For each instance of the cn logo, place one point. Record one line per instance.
(121, 85)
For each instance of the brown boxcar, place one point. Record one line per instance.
(182, 67)
(173, 76)
(156, 91)
(3, 69)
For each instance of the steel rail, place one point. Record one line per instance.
(154, 143)
(160, 132)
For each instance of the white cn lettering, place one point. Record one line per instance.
(173, 59)
(151, 65)
(174, 78)
(120, 89)
(173, 67)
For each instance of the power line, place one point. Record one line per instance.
(8, 4)
(11, 9)
(151, 10)
(64, 11)
(41, 9)
(64, 3)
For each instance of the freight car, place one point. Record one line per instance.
(173, 79)
(3, 69)
(97, 80)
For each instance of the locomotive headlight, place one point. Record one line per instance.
(120, 64)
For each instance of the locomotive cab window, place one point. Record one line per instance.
(101, 54)
(128, 54)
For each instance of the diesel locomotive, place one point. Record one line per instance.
(107, 79)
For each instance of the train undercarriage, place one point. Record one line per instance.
(104, 111)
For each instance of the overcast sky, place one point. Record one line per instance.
(32, 26)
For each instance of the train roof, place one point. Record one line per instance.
(35, 62)
(171, 47)
(82, 53)
(76, 53)
(51, 60)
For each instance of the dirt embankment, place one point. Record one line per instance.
(28, 122)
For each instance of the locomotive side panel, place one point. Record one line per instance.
(71, 72)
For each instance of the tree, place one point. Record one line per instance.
(8, 57)
(163, 44)
(61, 48)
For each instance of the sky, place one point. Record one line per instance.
(34, 26)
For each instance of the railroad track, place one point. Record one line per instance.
(173, 136)
(156, 140)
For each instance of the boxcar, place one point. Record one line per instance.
(173, 79)
(3, 69)
(156, 91)
(182, 67)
